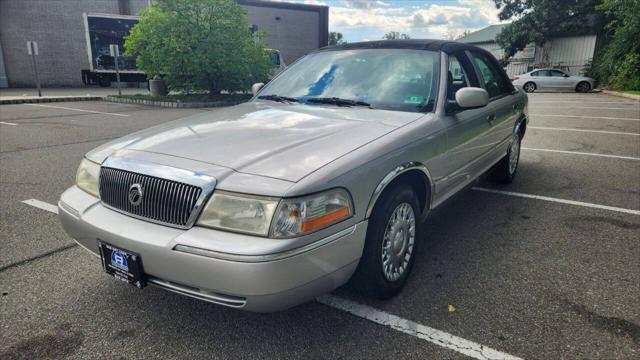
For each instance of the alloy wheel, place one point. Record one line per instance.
(514, 154)
(398, 242)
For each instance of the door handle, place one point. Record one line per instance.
(491, 118)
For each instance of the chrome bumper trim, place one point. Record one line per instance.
(220, 299)
(264, 258)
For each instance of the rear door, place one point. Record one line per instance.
(502, 102)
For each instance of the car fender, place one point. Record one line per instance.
(393, 175)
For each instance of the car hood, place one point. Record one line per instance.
(283, 141)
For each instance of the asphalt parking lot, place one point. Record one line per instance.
(544, 268)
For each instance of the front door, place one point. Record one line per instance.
(468, 130)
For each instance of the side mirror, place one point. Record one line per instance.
(256, 87)
(565, 75)
(472, 97)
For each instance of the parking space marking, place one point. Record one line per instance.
(533, 101)
(586, 117)
(599, 108)
(8, 123)
(41, 205)
(557, 200)
(81, 110)
(438, 337)
(583, 153)
(584, 130)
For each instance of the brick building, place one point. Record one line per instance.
(58, 27)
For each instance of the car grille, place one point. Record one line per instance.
(163, 201)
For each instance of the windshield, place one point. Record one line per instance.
(393, 79)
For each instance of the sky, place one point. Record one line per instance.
(363, 20)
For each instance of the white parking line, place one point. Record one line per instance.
(589, 102)
(599, 108)
(440, 338)
(81, 110)
(8, 123)
(584, 130)
(41, 205)
(586, 117)
(583, 153)
(562, 201)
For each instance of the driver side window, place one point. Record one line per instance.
(456, 78)
(493, 81)
(458, 75)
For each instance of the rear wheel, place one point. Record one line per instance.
(506, 170)
(390, 246)
(529, 87)
(583, 87)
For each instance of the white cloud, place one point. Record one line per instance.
(358, 4)
(312, 2)
(433, 20)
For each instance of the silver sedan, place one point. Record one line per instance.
(553, 79)
(324, 176)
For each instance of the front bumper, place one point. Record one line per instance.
(183, 262)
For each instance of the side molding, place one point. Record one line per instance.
(399, 170)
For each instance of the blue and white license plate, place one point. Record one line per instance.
(122, 264)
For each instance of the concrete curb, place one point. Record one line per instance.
(171, 104)
(617, 93)
(48, 99)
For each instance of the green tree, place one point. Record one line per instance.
(199, 45)
(395, 35)
(618, 63)
(535, 21)
(453, 35)
(335, 38)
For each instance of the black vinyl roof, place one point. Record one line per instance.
(417, 44)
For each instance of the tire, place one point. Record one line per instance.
(506, 170)
(583, 87)
(529, 87)
(104, 81)
(395, 207)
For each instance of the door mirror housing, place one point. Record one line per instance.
(256, 87)
(565, 75)
(472, 97)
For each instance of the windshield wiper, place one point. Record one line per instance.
(338, 101)
(278, 98)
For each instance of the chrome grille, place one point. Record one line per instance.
(163, 201)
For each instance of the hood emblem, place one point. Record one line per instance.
(135, 194)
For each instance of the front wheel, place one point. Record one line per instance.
(506, 170)
(529, 87)
(583, 87)
(390, 246)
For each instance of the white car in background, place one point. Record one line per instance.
(552, 79)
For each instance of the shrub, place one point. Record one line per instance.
(199, 45)
(627, 74)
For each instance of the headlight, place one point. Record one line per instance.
(87, 177)
(239, 213)
(300, 216)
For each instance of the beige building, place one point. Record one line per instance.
(568, 53)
